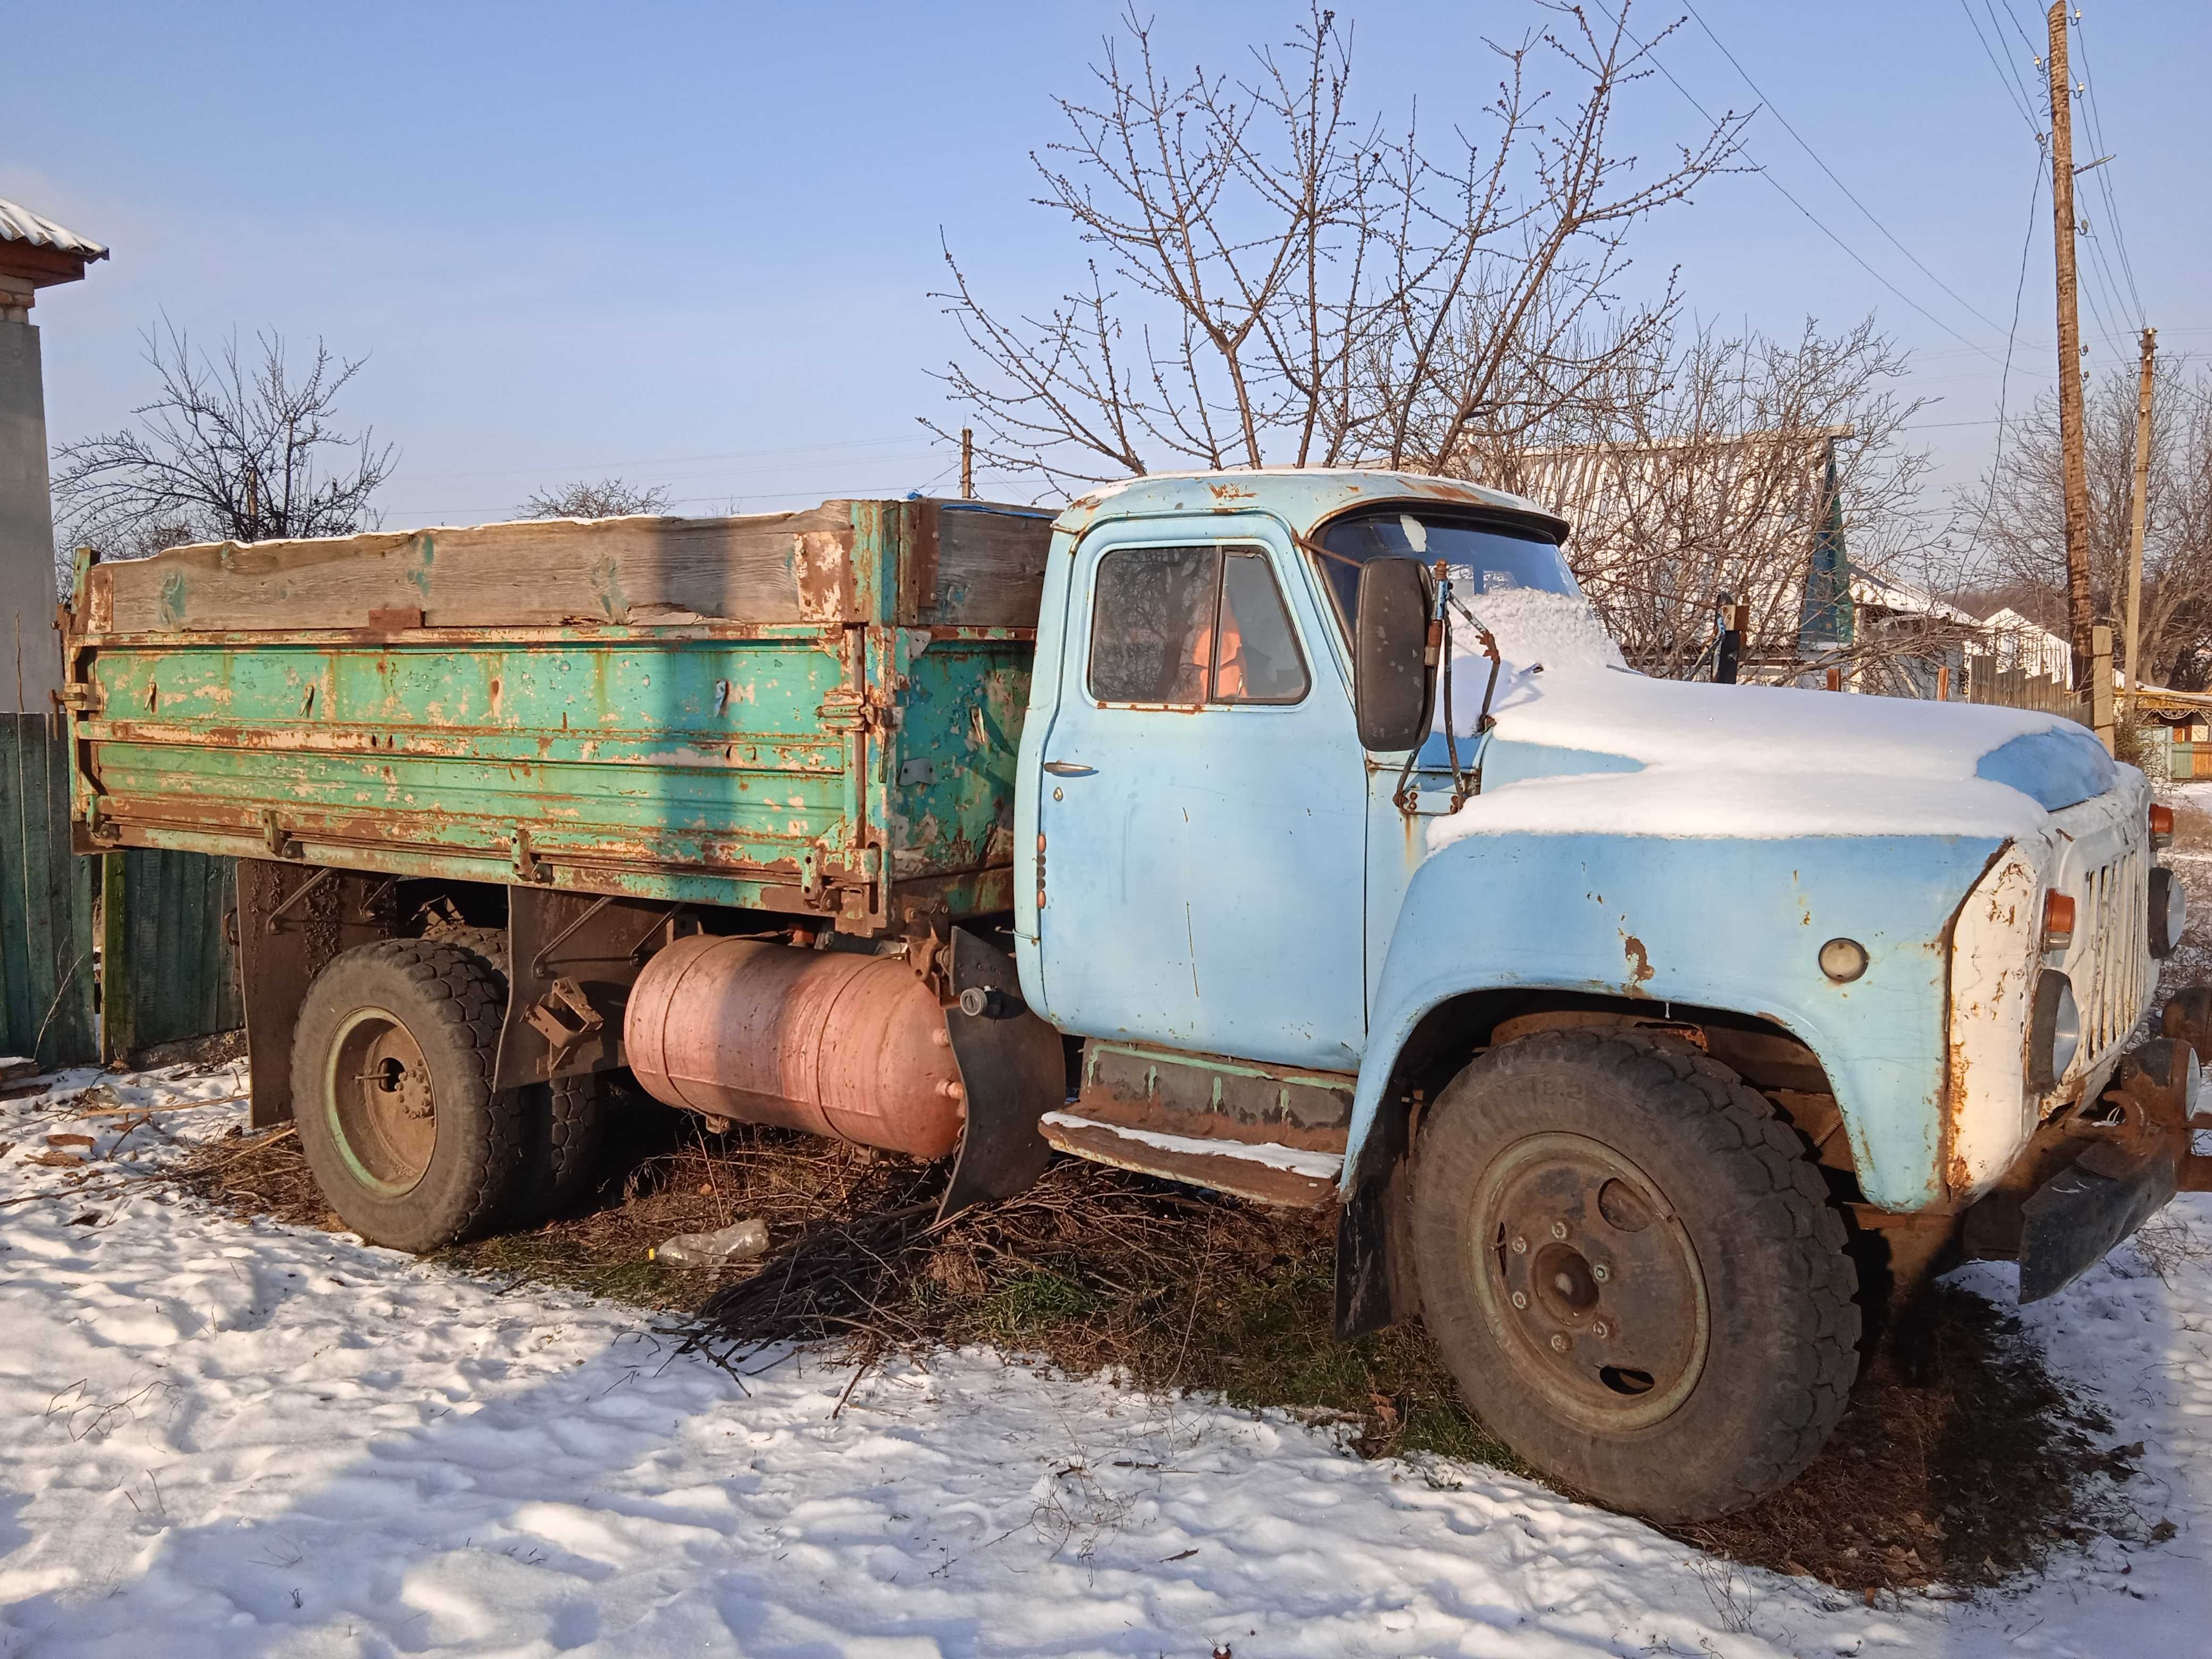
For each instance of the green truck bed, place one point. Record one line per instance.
(814, 713)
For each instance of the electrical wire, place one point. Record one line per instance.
(1852, 253)
(2007, 80)
(2027, 96)
(2004, 383)
(2105, 185)
(1775, 109)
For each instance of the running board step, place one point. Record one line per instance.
(1272, 1174)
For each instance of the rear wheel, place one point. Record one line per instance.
(392, 1072)
(563, 1121)
(1634, 1271)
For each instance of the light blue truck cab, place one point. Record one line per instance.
(1645, 1031)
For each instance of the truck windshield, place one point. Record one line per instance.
(1483, 557)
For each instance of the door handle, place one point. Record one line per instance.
(1069, 769)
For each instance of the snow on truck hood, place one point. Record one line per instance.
(1582, 745)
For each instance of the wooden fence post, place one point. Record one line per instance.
(2098, 704)
(115, 978)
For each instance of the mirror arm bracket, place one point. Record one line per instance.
(1467, 782)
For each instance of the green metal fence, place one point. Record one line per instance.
(47, 957)
(100, 958)
(168, 970)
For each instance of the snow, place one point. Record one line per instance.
(222, 1439)
(20, 224)
(1737, 761)
(1323, 1166)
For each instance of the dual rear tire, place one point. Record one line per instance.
(393, 1065)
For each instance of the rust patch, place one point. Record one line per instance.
(1639, 961)
(1958, 1176)
(820, 571)
(1226, 492)
(1223, 1171)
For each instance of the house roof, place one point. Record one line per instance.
(20, 224)
(1887, 593)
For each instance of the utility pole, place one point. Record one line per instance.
(967, 464)
(2078, 619)
(2142, 509)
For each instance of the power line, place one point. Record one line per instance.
(2105, 185)
(1777, 112)
(2008, 80)
(1850, 251)
(2004, 383)
(2012, 65)
(2013, 18)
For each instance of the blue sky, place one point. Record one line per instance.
(693, 244)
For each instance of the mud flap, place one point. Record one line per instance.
(1013, 1068)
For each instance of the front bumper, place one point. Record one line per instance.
(2096, 1174)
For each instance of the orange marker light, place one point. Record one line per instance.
(2161, 827)
(2057, 921)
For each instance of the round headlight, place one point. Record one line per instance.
(2169, 912)
(1842, 960)
(2054, 1032)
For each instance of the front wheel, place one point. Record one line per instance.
(1634, 1271)
(391, 1073)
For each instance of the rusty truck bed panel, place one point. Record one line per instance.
(845, 768)
(916, 563)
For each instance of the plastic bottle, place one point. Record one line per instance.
(741, 1241)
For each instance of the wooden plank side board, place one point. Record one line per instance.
(958, 564)
(989, 565)
(766, 568)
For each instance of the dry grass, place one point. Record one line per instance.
(1960, 1462)
(2192, 829)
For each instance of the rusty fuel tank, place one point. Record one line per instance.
(836, 1043)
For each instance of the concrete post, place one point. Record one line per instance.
(30, 655)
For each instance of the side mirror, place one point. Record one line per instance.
(1393, 681)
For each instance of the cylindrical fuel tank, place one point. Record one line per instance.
(838, 1044)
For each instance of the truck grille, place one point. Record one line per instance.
(2110, 984)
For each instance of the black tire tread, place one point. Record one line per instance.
(1755, 1156)
(471, 1000)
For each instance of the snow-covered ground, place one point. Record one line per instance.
(228, 1440)
(218, 1439)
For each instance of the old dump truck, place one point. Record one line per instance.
(1296, 834)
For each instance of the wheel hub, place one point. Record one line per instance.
(1589, 1281)
(384, 1106)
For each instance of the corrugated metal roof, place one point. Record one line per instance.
(20, 224)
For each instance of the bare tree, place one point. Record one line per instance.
(1273, 277)
(600, 498)
(2014, 520)
(1691, 467)
(227, 450)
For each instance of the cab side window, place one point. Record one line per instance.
(1189, 625)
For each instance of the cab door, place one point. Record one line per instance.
(1200, 805)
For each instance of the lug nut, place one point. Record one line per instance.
(1559, 1344)
(1559, 1230)
(1520, 1299)
(1601, 1330)
(1519, 1245)
(1601, 1272)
